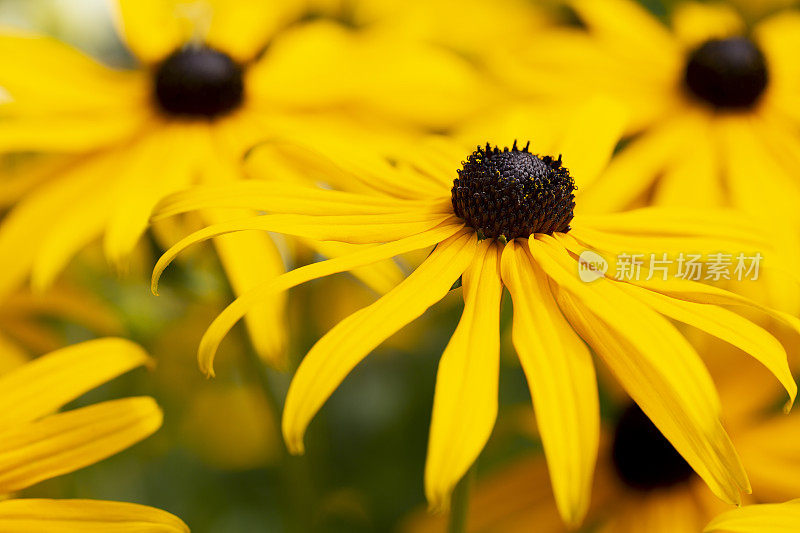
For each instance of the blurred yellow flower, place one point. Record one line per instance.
(507, 219)
(36, 444)
(714, 114)
(213, 79)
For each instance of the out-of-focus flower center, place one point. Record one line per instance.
(513, 193)
(198, 82)
(643, 458)
(727, 73)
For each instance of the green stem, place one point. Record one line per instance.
(459, 505)
(295, 474)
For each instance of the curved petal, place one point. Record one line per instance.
(79, 516)
(65, 442)
(358, 229)
(380, 277)
(45, 384)
(655, 364)
(341, 349)
(562, 383)
(248, 258)
(725, 325)
(362, 256)
(465, 401)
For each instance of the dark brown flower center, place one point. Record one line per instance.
(513, 193)
(643, 458)
(198, 82)
(727, 73)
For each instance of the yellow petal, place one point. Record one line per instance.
(380, 277)
(172, 153)
(153, 29)
(32, 515)
(248, 258)
(655, 364)
(62, 133)
(694, 23)
(44, 74)
(286, 198)
(591, 138)
(243, 28)
(693, 178)
(360, 257)
(357, 229)
(45, 384)
(465, 401)
(366, 72)
(65, 442)
(765, 518)
(342, 348)
(725, 325)
(630, 29)
(770, 454)
(743, 154)
(562, 383)
(634, 168)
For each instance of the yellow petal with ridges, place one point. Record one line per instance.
(358, 258)
(33, 515)
(65, 442)
(343, 347)
(356, 229)
(45, 384)
(655, 364)
(562, 383)
(465, 401)
(725, 325)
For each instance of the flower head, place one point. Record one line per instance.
(555, 313)
(211, 81)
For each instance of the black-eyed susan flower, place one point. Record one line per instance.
(505, 218)
(36, 444)
(714, 112)
(764, 518)
(212, 79)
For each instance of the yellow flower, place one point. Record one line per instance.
(765, 518)
(36, 444)
(213, 79)
(507, 220)
(713, 104)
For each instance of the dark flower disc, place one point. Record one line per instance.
(513, 193)
(643, 458)
(727, 73)
(198, 82)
